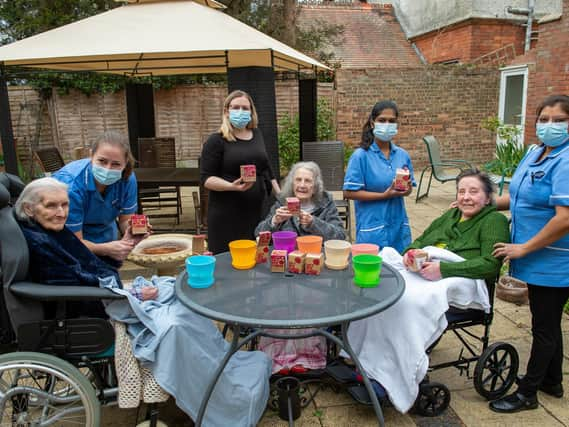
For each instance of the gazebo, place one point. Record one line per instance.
(166, 37)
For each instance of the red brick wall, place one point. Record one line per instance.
(548, 65)
(470, 40)
(448, 102)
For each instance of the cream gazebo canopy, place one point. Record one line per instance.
(156, 37)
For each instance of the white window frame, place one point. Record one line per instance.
(504, 74)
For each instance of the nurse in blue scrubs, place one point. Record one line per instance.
(381, 217)
(539, 252)
(102, 193)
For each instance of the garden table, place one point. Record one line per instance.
(260, 300)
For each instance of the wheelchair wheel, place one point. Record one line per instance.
(40, 389)
(433, 399)
(496, 370)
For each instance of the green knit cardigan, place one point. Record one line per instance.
(472, 239)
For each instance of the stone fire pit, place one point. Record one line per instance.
(165, 252)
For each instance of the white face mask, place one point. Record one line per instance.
(106, 176)
(385, 131)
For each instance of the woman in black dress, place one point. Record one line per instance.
(235, 208)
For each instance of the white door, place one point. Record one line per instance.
(513, 92)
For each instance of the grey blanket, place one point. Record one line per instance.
(183, 350)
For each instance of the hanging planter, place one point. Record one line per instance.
(512, 290)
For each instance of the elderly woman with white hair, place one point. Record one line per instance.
(59, 257)
(318, 216)
(318, 213)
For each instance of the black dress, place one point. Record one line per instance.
(233, 215)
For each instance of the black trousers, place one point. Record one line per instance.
(546, 357)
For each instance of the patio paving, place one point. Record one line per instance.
(330, 409)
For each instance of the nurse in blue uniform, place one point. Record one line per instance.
(539, 252)
(381, 217)
(102, 192)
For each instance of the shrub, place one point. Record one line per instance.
(289, 135)
(509, 153)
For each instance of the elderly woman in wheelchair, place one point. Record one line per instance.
(451, 290)
(60, 311)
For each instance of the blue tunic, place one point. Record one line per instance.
(537, 187)
(383, 222)
(90, 211)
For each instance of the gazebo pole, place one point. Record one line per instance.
(6, 131)
(259, 82)
(307, 103)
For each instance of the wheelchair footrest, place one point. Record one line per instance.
(340, 372)
(310, 374)
(360, 394)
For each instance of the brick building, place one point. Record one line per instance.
(546, 66)
(377, 61)
(494, 34)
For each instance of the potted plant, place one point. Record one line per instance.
(509, 150)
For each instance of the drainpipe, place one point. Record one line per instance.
(530, 13)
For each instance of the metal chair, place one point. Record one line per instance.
(159, 153)
(329, 155)
(200, 209)
(437, 166)
(49, 159)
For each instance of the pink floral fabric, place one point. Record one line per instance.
(307, 352)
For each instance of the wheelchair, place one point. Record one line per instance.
(495, 370)
(56, 370)
(496, 365)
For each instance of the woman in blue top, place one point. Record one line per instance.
(539, 252)
(103, 189)
(380, 210)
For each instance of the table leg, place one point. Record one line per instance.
(344, 344)
(235, 345)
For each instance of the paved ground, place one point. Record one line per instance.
(511, 324)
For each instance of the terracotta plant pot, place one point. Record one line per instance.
(512, 290)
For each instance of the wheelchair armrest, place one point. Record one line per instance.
(37, 291)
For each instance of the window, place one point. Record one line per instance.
(513, 91)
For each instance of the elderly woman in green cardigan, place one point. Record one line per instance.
(392, 345)
(470, 229)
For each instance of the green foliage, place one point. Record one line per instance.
(510, 152)
(315, 40)
(24, 18)
(566, 309)
(289, 135)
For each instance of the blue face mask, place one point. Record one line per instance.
(552, 134)
(106, 176)
(239, 118)
(385, 131)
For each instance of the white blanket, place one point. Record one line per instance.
(391, 345)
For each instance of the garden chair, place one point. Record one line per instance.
(329, 155)
(437, 166)
(49, 159)
(159, 153)
(200, 209)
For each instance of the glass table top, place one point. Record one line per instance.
(259, 298)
